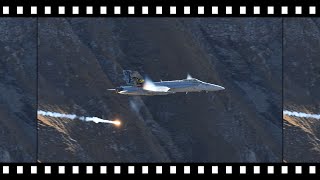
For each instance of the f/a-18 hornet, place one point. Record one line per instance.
(139, 86)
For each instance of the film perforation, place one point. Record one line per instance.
(156, 10)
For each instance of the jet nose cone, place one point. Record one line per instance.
(217, 87)
(213, 87)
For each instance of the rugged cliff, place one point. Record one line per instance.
(18, 50)
(301, 88)
(79, 58)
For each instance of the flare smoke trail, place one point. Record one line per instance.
(300, 114)
(73, 116)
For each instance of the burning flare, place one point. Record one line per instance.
(81, 118)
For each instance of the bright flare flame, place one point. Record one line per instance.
(116, 122)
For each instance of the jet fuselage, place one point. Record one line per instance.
(185, 85)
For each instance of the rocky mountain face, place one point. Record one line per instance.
(301, 88)
(18, 44)
(79, 58)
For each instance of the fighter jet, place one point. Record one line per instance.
(146, 87)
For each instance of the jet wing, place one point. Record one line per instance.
(150, 86)
(158, 89)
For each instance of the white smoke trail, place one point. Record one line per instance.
(73, 116)
(55, 114)
(301, 114)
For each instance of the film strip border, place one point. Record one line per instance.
(159, 169)
(158, 10)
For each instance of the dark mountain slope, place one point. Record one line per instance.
(18, 44)
(82, 57)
